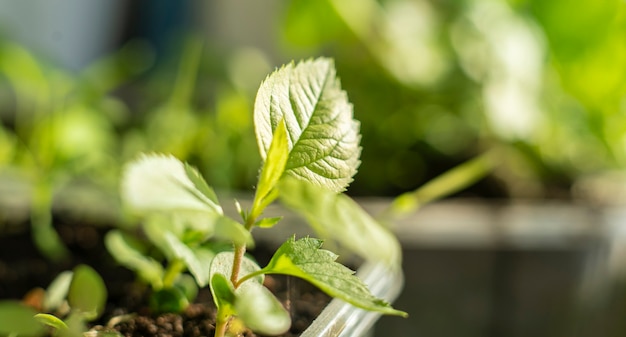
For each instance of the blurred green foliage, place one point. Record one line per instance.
(434, 83)
(437, 82)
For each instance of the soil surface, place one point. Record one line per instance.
(24, 272)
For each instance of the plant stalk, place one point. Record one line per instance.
(220, 326)
(240, 251)
(173, 271)
(445, 184)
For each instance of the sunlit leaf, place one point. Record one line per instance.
(323, 136)
(158, 182)
(260, 310)
(304, 258)
(268, 222)
(200, 184)
(273, 168)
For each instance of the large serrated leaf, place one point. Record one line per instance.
(323, 135)
(304, 258)
(338, 218)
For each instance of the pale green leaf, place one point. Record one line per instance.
(200, 184)
(197, 259)
(323, 135)
(240, 210)
(87, 293)
(229, 229)
(304, 258)
(182, 224)
(57, 291)
(223, 293)
(337, 217)
(51, 320)
(260, 310)
(76, 325)
(16, 319)
(268, 222)
(156, 182)
(272, 170)
(130, 257)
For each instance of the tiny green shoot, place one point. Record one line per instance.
(309, 142)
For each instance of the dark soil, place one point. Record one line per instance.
(23, 271)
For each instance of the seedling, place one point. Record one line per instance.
(309, 142)
(75, 297)
(78, 296)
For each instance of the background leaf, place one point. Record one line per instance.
(126, 254)
(323, 136)
(197, 259)
(156, 182)
(337, 217)
(87, 293)
(57, 291)
(16, 318)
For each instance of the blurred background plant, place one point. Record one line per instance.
(434, 84)
(437, 82)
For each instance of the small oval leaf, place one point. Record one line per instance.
(87, 292)
(260, 310)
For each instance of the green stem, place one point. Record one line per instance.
(220, 325)
(249, 276)
(445, 184)
(45, 237)
(173, 271)
(240, 251)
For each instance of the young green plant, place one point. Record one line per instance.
(75, 297)
(309, 142)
